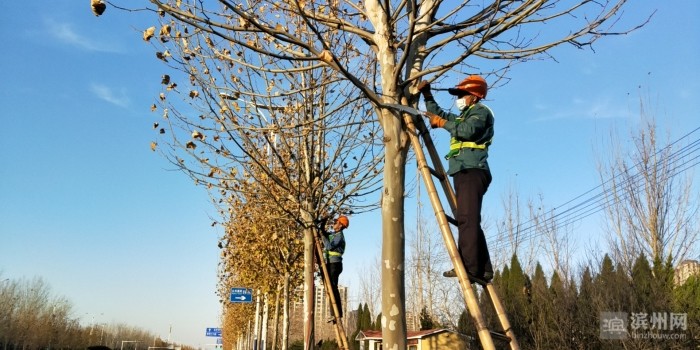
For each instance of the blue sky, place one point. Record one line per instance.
(109, 224)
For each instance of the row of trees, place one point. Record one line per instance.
(550, 311)
(285, 116)
(31, 318)
(558, 313)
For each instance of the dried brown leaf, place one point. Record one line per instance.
(98, 7)
(162, 56)
(197, 135)
(164, 33)
(148, 33)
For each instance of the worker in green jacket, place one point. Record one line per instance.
(472, 132)
(334, 247)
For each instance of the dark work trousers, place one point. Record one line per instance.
(470, 187)
(334, 270)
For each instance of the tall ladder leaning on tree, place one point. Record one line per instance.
(340, 335)
(416, 131)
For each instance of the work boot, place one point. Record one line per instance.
(482, 280)
(451, 273)
(488, 276)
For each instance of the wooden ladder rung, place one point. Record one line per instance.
(500, 336)
(436, 174)
(451, 220)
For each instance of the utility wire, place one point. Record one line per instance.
(596, 199)
(590, 206)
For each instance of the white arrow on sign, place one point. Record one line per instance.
(240, 297)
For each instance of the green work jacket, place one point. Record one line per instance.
(472, 129)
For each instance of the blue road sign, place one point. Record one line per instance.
(213, 332)
(241, 295)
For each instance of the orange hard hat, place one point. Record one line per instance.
(343, 220)
(474, 85)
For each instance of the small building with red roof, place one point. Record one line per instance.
(430, 339)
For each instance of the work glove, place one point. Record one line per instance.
(435, 120)
(424, 88)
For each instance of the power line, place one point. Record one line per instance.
(591, 205)
(596, 199)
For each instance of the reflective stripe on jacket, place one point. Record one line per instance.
(334, 246)
(456, 145)
(474, 126)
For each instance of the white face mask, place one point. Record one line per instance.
(461, 103)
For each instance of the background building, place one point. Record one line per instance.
(431, 339)
(684, 270)
(412, 321)
(324, 329)
(322, 313)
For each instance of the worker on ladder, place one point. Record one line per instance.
(472, 132)
(334, 247)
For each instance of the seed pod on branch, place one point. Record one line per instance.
(98, 7)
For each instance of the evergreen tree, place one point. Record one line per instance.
(378, 323)
(504, 276)
(686, 299)
(465, 325)
(613, 293)
(358, 321)
(556, 287)
(426, 321)
(662, 284)
(366, 321)
(561, 313)
(352, 342)
(642, 285)
(606, 282)
(497, 276)
(514, 296)
(537, 310)
(623, 288)
(607, 269)
(586, 318)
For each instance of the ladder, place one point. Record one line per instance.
(340, 335)
(417, 130)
